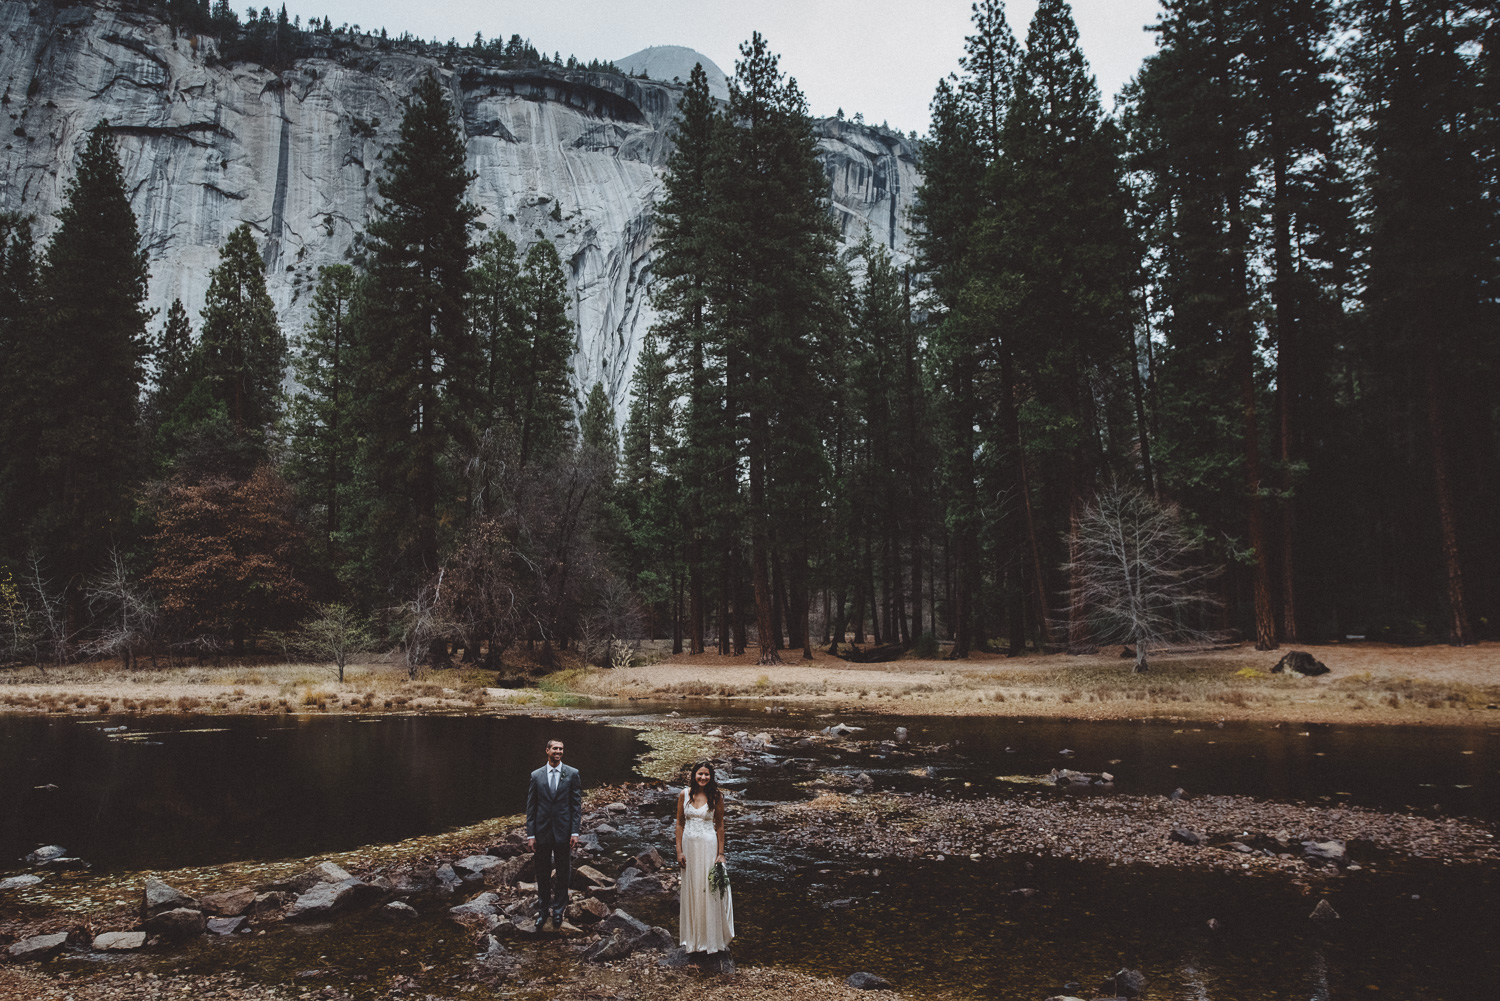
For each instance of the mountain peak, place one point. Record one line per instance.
(664, 62)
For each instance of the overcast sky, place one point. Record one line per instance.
(879, 57)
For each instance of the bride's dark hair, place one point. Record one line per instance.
(710, 791)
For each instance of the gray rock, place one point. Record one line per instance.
(64, 863)
(902, 734)
(475, 866)
(45, 854)
(323, 872)
(605, 829)
(178, 924)
(868, 982)
(271, 904)
(495, 955)
(650, 860)
(1177, 794)
(329, 898)
(1332, 850)
(481, 906)
(399, 910)
(588, 911)
(229, 903)
(619, 920)
(226, 926)
(17, 882)
(1128, 983)
(1302, 662)
(38, 947)
(158, 897)
(611, 947)
(448, 879)
(1324, 911)
(1183, 836)
(119, 941)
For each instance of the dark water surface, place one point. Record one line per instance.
(187, 791)
(200, 790)
(1454, 771)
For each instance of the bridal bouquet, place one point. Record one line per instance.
(718, 879)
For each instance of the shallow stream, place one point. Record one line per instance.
(199, 790)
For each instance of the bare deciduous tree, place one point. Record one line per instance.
(125, 616)
(1135, 572)
(334, 634)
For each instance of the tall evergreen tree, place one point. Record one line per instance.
(498, 316)
(322, 439)
(174, 362)
(688, 252)
(81, 405)
(541, 380)
(18, 289)
(418, 353)
(242, 351)
(1064, 262)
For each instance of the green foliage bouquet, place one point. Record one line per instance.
(718, 879)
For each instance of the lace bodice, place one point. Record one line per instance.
(696, 818)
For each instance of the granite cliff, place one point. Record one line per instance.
(570, 155)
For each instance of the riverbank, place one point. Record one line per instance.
(1367, 683)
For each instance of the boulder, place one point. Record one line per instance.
(650, 860)
(1332, 850)
(511, 871)
(495, 955)
(617, 808)
(45, 854)
(158, 897)
(1128, 983)
(399, 910)
(229, 903)
(868, 982)
(1324, 911)
(619, 920)
(588, 911)
(329, 898)
(1183, 836)
(448, 879)
(271, 904)
(483, 905)
(323, 872)
(1177, 794)
(64, 863)
(177, 925)
(17, 882)
(38, 947)
(119, 941)
(474, 867)
(1302, 662)
(614, 946)
(902, 734)
(592, 878)
(716, 963)
(226, 926)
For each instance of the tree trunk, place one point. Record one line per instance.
(1459, 631)
(695, 598)
(1013, 430)
(1079, 639)
(778, 603)
(1286, 378)
(1265, 621)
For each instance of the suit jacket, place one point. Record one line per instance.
(554, 817)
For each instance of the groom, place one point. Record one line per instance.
(554, 809)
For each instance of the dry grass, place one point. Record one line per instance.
(1370, 682)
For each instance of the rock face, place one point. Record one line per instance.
(569, 155)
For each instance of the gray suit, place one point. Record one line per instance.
(553, 817)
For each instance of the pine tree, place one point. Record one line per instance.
(418, 354)
(242, 351)
(1062, 256)
(82, 399)
(596, 425)
(541, 380)
(689, 256)
(321, 439)
(499, 320)
(174, 361)
(18, 290)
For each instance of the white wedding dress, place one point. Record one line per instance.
(707, 919)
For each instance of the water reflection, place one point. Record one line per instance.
(197, 791)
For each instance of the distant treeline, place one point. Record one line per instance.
(1259, 301)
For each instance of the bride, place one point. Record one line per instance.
(707, 912)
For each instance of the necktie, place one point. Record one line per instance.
(552, 778)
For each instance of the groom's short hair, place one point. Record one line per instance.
(551, 741)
